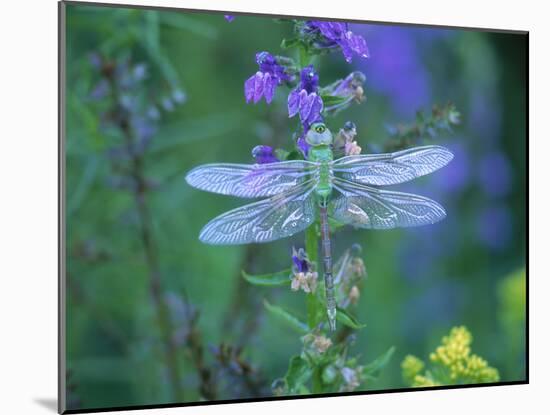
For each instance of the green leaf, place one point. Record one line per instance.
(286, 317)
(160, 59)
(189, 131)
(84, 184)
(304, 58)
(275, 279)
(331, 100)
(282, 154)
(294, 155)
(347, 319)
(290, 43)
(298, 373)
(316, 310)
(152, 32)
(377, 364)
(182, 22)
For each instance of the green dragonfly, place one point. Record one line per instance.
(299, 192)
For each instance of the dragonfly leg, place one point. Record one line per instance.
(327, 264)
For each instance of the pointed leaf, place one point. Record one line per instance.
(286, 317)
(330, 100)
(195, 26)
(276, 279)
(347, 319)
(298, 373)
(376, 365)
(290, 43)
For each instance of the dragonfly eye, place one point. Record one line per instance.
(318, 135)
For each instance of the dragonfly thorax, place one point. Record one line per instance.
(323, 155)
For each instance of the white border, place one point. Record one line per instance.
(28, 178)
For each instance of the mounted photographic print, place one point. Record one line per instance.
(258, 207)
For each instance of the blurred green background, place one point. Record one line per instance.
(187, 71)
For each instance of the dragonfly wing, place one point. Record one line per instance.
(371, 208)
(278, 217)
(257, 180)
(392, 168)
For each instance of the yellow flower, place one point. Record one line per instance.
(420, 381)
(411, 367)
(454, 362)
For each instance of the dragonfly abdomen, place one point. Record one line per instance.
(327, 265)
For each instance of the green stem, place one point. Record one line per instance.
(312, 246)
(151, 254)
(304, 58)
(317, 380)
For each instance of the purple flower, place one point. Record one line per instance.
(350, 84)
(304, 100)
(264, 82)
(337, 34)
(264, 154)
(309, 106)
(229, 17)
(309, 79)
(300, 260)
(349, 89)
(302, 144)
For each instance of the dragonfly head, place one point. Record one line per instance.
(319, 135)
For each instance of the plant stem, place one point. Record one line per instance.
(149, 247)
(195, 349)
(312, 246)
(155, 283)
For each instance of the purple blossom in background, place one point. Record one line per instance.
(419, 252)
(485, 114)
(398, 71)
(337, 34)
(229, 17)
(495, 174)
(439, 304)
(494, 227)
(304, 100)
(143, 127)
(101, 90)
(264, 154)
(264, 82)
(456, 175)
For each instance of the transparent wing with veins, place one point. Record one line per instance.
(251, 181)
(278, 217)
(392, 168)
(372, 208)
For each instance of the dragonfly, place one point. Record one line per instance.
(297, 193)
